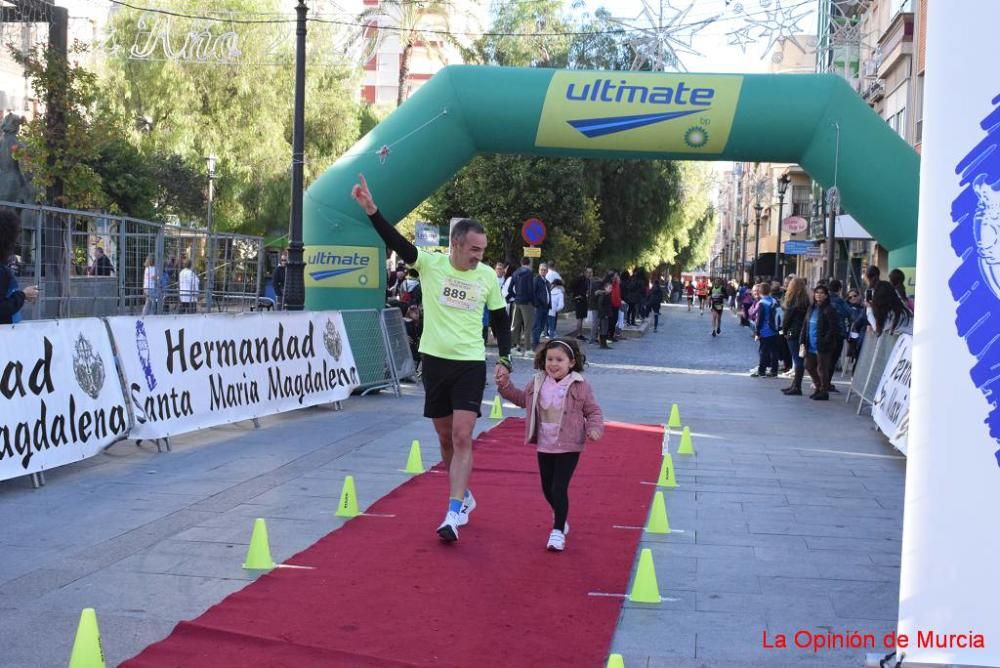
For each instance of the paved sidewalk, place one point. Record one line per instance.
(791, 512)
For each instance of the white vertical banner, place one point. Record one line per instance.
(949, 601)
(189, 372)
(60, 397)
(891, 406)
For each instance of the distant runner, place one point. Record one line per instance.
(717, 299)
(456, 287)
(702, 295)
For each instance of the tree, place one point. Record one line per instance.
(682, 240)
(500, 192)
(695, 251)
(240, 110)
(79, 138)
(600, 44)
(636, 200)
(424, 23)
(525, 34)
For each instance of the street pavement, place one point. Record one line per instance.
(789, 516)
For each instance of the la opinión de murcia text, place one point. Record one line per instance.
(805, 639)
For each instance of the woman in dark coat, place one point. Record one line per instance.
(819, 339)
(12, 297)
(795, 306)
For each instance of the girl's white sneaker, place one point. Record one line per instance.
(557, 541)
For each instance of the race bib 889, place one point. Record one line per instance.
(456, 293)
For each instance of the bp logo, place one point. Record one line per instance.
(976, 284)
(696, 136)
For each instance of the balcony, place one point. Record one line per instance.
(896, 42)
(874, 90)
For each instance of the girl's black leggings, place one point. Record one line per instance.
(556, 470)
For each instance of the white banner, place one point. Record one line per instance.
(189, 372)
(950, 577)
(60, 395)
(891, 408)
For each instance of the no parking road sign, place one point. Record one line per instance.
(533, 232)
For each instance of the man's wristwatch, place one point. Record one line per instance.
(504, 361)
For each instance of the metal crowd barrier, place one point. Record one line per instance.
(398, 343)
(874, 356)
(381, 348)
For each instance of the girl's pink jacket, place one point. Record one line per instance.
(580, 411)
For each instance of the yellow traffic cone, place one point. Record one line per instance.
(667, 476)
(87, 651)
(496, 413)
(658, 522)
(348, 499)
(616, 661)
(675, 417)
(259, 552)
(686, 447)
(414, 463)
(644, 588)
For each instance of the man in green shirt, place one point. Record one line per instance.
(456, 287)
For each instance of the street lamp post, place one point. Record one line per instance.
(210, 264)
(757, 209)
(779, 268)
(295, 291)
(743, 248)
(831, 238)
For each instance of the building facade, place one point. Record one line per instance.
(463, 20)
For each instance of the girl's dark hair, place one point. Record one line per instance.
(576, 355)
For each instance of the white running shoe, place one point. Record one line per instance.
(557, 541)
(448, 531)
(468, 505)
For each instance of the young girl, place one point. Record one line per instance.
(562, 414)
(150, 286)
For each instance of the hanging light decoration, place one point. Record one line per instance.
(660, 34)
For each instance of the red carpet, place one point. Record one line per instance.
(387, 592)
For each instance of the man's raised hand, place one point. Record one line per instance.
(363, 196)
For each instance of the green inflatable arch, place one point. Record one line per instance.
(465, 110)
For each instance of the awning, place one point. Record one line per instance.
(848, 228)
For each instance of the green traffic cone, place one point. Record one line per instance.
(686, 447)
(667, 476)
(414, 463)
(658, 522)
(87, 651)
(645, 588)
(259, 552)
(348, 506)
(496, 413)
(675, 417)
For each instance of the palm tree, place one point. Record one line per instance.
(417, 22)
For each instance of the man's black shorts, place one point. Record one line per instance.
(452, 385)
